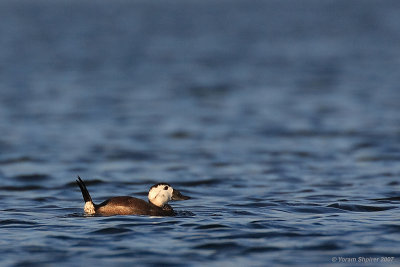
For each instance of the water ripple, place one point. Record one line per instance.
(360, 208)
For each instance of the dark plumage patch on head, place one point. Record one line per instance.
(160, 184)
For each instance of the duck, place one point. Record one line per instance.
(159, 196)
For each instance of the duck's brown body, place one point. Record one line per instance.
(130, 205)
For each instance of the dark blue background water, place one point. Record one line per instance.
(280, 118)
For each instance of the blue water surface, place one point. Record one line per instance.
(281, 119)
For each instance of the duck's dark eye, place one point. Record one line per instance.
(166, 187)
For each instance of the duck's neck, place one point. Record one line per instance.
(165, 207)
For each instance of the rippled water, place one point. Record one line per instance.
(279, 118)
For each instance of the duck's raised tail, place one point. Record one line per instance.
(89, 205)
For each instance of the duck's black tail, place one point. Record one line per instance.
(85, 192)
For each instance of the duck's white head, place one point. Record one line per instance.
(161, 193)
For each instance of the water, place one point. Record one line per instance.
(279, 118)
